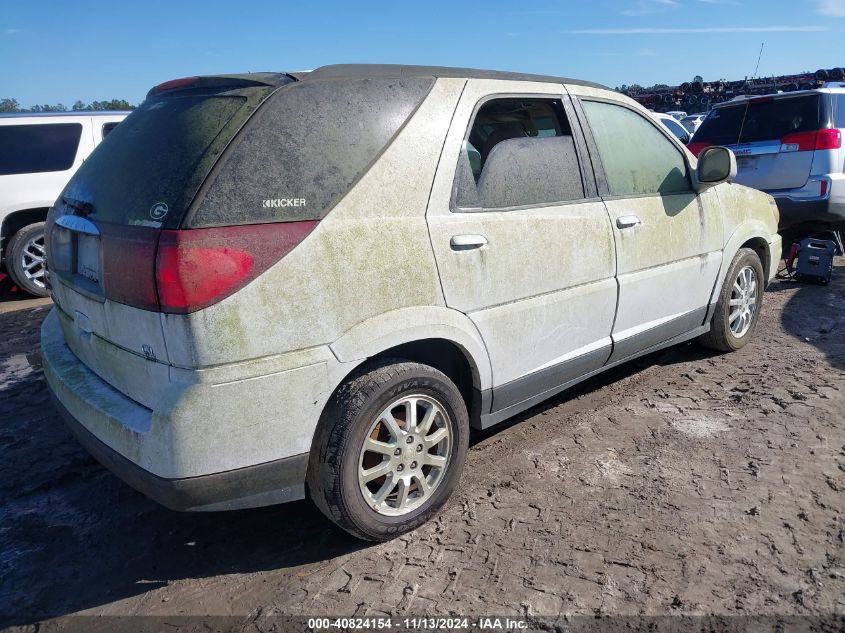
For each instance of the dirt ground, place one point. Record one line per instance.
(684, 483)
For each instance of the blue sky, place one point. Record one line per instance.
(53, 51)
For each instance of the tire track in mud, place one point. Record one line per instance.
(682, 483)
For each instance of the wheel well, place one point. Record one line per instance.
(761, 247)
(448, 357)
(14, 222)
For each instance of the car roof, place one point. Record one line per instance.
(398, 70)
(83, 113)
(782, 95)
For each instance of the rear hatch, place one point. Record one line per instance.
(103, 232)
(774, 138)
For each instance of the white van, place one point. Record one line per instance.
(39, 152)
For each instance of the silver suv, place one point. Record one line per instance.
(269, 281)
(789, 145)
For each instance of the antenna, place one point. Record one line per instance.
(748, 102)
(758, 60)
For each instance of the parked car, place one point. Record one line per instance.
(672, 124)
(38, 155)
(677, 114)
(693, 122)
(332, 288)
(789, 145)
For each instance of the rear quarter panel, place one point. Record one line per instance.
(370, 255)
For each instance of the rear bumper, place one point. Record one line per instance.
(806, 205)
(218, 446)
(264, 484)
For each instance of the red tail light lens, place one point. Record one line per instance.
(173, 84)
(810, 141)
(198, 267)
(697, 148)
(829, 139)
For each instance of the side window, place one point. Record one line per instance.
(637, 158)
(31, 149)
(518, 152)
(678, 130)
(108, 127)
(839, 112)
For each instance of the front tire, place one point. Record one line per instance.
(25, 259)
(389, 449)
(738, 308)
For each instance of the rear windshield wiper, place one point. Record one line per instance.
(83, 208)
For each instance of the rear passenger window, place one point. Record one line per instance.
(637, 157)
(32, 149)
(519, 152)
(305, 149)
(108, 127)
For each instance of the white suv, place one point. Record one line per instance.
(270, 281)
(38, 155)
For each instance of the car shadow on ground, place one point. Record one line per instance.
(815, 315)
(682, 353)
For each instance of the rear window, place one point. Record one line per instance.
(305, 148)
(764, 121)
(32, 149)
(149, 168)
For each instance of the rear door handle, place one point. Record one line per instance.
(627, 221)
(467, 242)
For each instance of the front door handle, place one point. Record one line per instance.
(467, 242)
(627, 221)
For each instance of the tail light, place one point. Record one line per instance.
(810, 141)
(697, 148)
(199, 267)
(184, 271)
(175, 84)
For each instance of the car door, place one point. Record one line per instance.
(668, 238)
(522, 242)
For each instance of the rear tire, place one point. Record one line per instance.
(25, 259)
(412, 489)
(738, 308)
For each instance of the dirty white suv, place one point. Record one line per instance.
(270, 285)
(38, 155)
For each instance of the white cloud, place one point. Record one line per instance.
(650, 7)
(832, 8)
(731, 2)
(716, 29)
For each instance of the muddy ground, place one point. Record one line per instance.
(683, 483)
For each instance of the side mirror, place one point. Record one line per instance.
(715, 166)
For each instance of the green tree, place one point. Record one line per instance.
(9, 105)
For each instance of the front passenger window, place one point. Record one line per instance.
(637, 158)
(519, 152)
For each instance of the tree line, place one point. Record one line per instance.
(12, 105)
